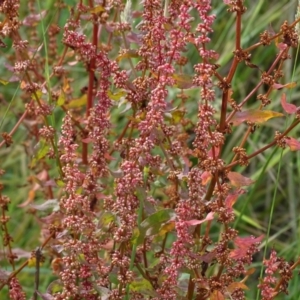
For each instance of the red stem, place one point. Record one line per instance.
(90, 92)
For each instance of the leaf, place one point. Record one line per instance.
(278, 86)
(18, 252)
(116, 96)
(66, 85)
(97, 9)
(142, 286)
(288, 107)
(237, 285)
(33, 19)
(293, 144)
(77, 102)
(153, 224)
(205, 177)
(32, 262)
(177, 116)
(61, 99)
(231, 198)
(45, 296)
(4, 275)
(52, 203)
(214, 151)
(60, 183)
(243, 244)
(168, 227)
(127, 54)
(255, 116)
(117, 174)
(105, 219)
(238, 180)
(250, 271)
(37, 94)
(42, 150)
(209, 217)
(4, 82)
(280, 46)
(183, 81)
(216, 295)
(54, 287)
(103, 292)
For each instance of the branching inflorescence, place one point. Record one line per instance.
(141, 195)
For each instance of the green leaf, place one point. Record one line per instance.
(54, 287)
(43, 149)
(183, 81)
(142, 286)
(177, 116)
(38, 94)
(105, 219)
(4, 82)
(61, 99)
(116, 96)
(77, 102)
(127, 54)
(153, 224)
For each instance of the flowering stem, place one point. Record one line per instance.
(229, 166)
(90, 93)
(141, 197)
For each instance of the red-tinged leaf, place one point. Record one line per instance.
(293, 144)
(205, 177)
(278, 86)
(134, 38)
(231, 198)
(216, 151)
(209, 217)
(255, 116)
(216, 295)
(237, 285)
(243, 245)
(191, 40)
(87, 140)
(208, 257)
(288, 107)
(136, 14)
(107, 156)
(238, 180)
(280, 46)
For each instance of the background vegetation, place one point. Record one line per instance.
(272, 202)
